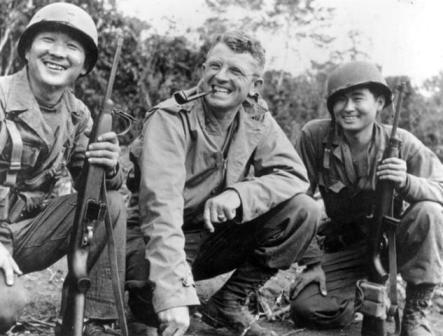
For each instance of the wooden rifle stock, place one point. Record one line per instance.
(90, 211)
(384, 236)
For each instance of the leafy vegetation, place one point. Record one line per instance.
(153, 67)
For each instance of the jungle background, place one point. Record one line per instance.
(153, 65)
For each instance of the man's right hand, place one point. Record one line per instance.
(8, 265)
(174, 321)
(312, 273)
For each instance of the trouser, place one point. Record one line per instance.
(39, 242)
(419, 260)
(274, 240)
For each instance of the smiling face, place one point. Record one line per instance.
(55, 60)
(355, 109)
(231, 76)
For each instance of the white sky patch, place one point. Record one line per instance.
(403, 36)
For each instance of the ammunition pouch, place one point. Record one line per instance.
(372, 299)
(19, 205)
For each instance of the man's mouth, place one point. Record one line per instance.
(54, 66)
(219, 89)
(349, 118)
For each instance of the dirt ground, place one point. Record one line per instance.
(44, 290)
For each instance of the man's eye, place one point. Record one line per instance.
(214, 66)
(47, 39)
(237, 72)
(73, 46)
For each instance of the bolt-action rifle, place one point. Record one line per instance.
(91, 210)
(375, 306)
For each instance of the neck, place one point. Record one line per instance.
(359, 140)
(45, 94)
(224, 118)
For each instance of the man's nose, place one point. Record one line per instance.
(58, 49)
(222, 74)
(349, 105)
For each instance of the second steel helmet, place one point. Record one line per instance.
(64, 17)
(353, 74)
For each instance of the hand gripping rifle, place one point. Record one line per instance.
(91, 210)
(375, 305)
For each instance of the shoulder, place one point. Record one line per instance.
(6, 82)
(410, 143)
(172, 107)
(316, 128)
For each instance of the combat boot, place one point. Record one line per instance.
(227, 307)
(417, 308)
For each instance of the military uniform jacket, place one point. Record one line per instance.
(45, 153)
(181, 168)
(347, 187)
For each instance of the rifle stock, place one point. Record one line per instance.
(91, 210)
(383, 236)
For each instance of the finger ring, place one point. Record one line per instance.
(221, 216)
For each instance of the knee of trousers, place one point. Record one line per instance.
(311, 309)
(305, 214)
(423, 219)
(13, 300)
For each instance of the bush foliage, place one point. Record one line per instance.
(152, 68)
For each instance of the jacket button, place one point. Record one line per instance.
(187, 282)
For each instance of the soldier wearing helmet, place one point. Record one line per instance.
(44, 133)
(343, 156)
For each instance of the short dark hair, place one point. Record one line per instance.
(240, 42)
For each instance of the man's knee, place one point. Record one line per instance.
(305, 213)
(13, 300)
(424, 218)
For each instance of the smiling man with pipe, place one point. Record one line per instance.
(221, 189)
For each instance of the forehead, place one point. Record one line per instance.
(221, 52)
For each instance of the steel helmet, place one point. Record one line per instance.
(68, 17)
(353, 74)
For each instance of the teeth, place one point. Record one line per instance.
(54, 66)
(220, 89)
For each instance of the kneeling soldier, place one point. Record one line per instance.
(343, 157)
(44, 132)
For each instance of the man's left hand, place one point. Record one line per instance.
(221, 208)
(174, 321)
(395, 170)
(105, 152)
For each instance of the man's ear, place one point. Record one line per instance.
(84, 70)
(381, 101)
(200, 70)
(256, 86)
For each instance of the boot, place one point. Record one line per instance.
(417, 308)
(227, 307)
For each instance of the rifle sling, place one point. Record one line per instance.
(112, 255)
